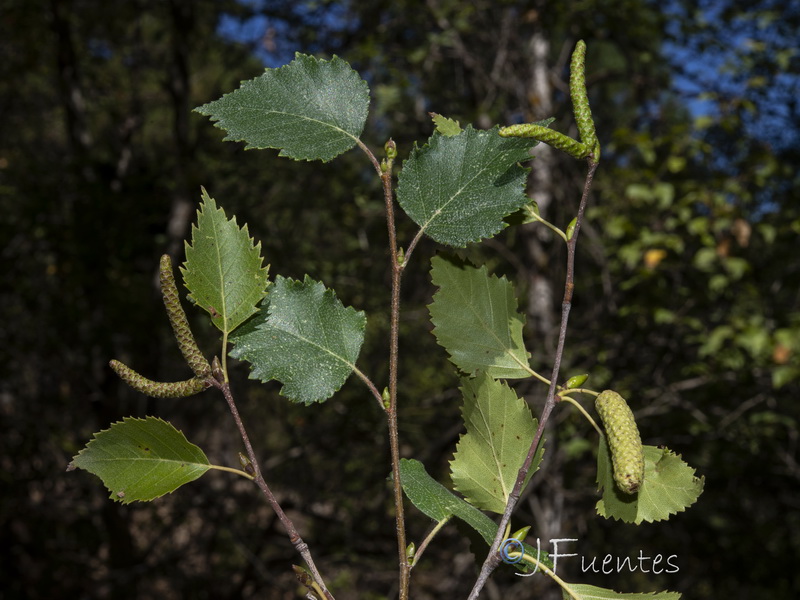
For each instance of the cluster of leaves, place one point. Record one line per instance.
(460, 187)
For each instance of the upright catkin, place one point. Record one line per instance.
(580, 98)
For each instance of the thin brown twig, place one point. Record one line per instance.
(391, 410)
(391, 413)
(291, 530)
(493, 559)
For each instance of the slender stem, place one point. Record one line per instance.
(391, 410)
(372, 158)
(368, 382)
(231, 470)
(391, 413)
(258, 478)
(225, 356)
(414, 243)
(548, 224)
(547, 571)
(527, 367)
(428, 539)
(493, 559)
(583, 411)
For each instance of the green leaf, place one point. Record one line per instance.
(142, 459)
(476, 320)
(669, 487)
(439, 503)
(580, 591)
(305, 339)
(310, 109)
(445, 126)
(488, 456)
(458, 189)
(223, 270)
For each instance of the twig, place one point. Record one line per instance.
(391, 411)
(493, 559)
(258, 478)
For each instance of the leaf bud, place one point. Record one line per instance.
(521, 534)
(216, 369)
(246, 465)
(571, 228)
(303, 576)
(391, 149)
(387, 399)
(411, 550)
(576, 381)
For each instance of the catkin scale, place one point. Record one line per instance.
(627, 454)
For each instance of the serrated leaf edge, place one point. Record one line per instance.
(428, 146)
(326, 293)
(126, 420)
(510, 287)
(298, 56)
(665, 452)
(254, 248)
(265, 326)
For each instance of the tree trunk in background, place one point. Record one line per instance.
(540, 288)
(546, 499)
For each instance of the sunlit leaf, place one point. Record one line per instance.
(500, 430)
(142, 459)
(459, 188)
(476, 320)
(669, 487)
(310, 109)
(445, 126)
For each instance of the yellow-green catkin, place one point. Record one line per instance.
(180, 325)
(627, 454)
(548, 136)
(580, 99)
(158, 389)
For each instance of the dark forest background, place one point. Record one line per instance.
(687, 299)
